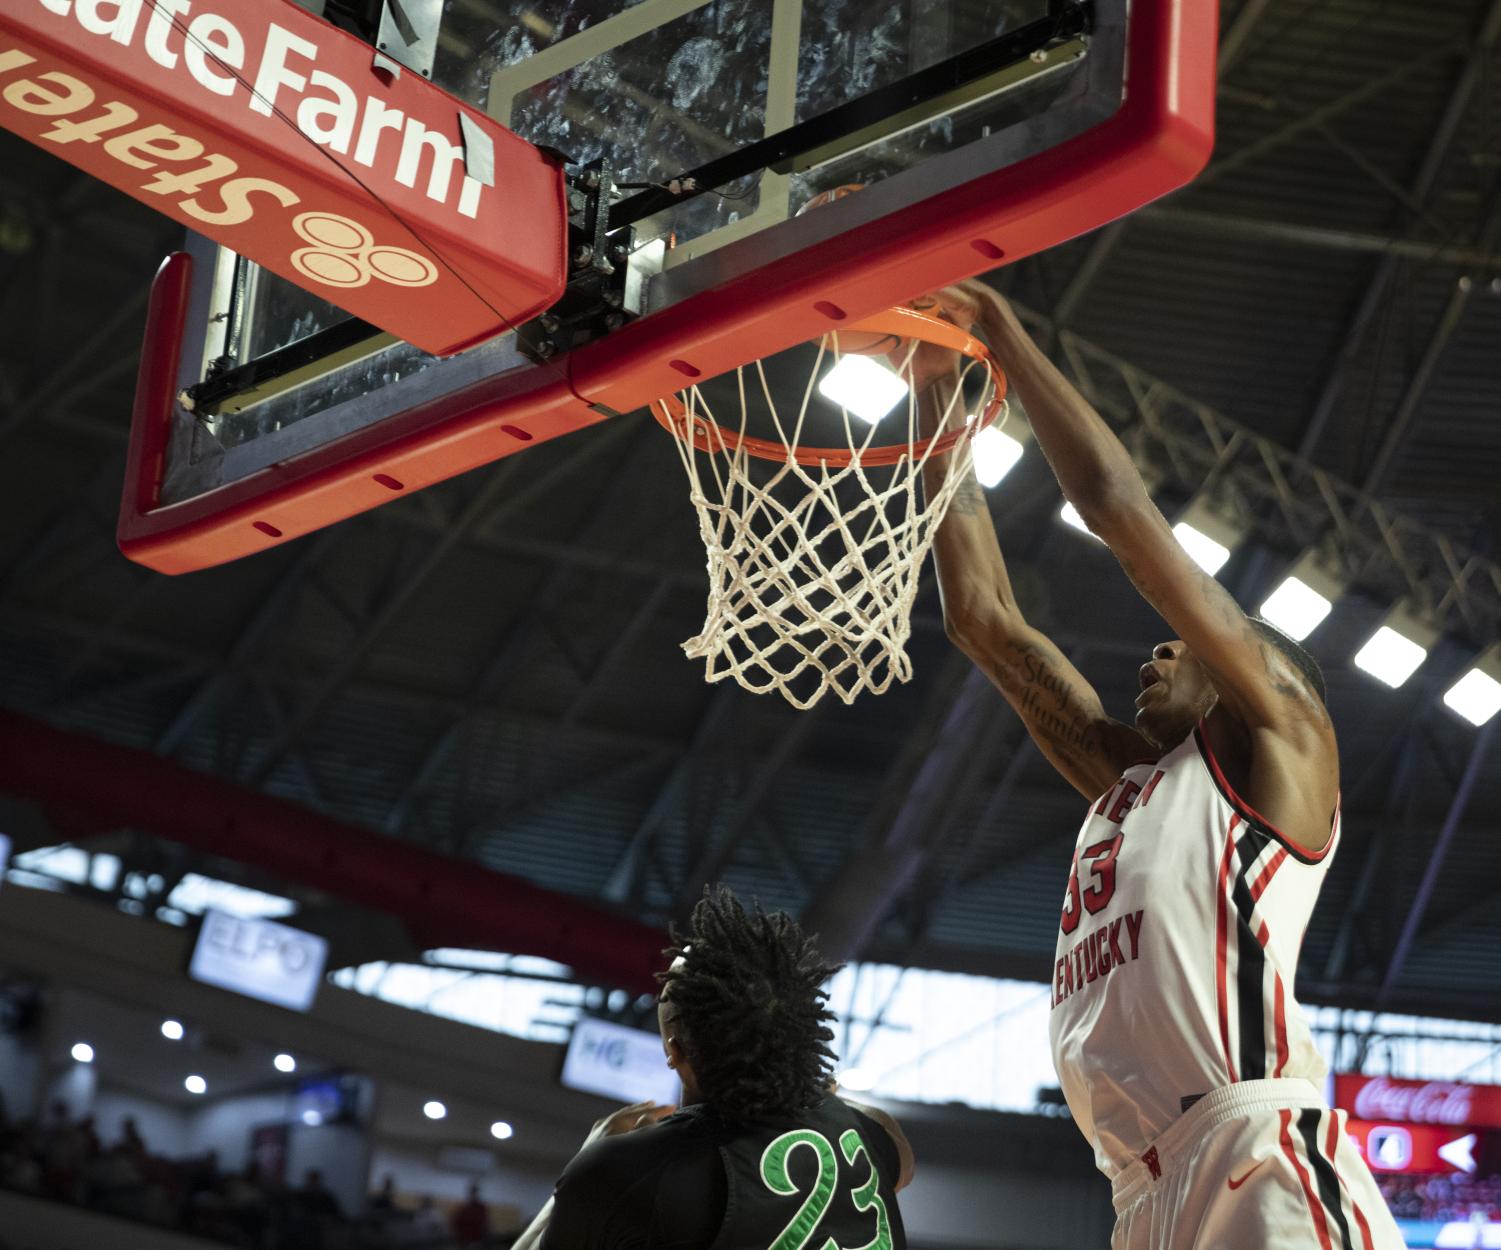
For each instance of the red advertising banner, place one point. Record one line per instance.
(1420, 1148)
(1393, 1100)
(291, 142)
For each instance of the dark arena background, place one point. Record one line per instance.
(446, 762)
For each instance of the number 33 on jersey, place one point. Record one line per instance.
(1092, 887)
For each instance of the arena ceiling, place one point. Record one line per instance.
(492, 668)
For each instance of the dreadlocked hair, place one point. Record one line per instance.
(750, 999)
(1295, 653)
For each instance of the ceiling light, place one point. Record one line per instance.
(83, 1052)
(1303, 598)
(857, 1079)
(1295, 608)
(500, 1130)
(172, 1030)
(1398, 646)
(285, 1063)
(312, 1118)
(996, 454)
(1205, 552)
(1069, 515)
(195, 1085)
(862, 387)
(1208, 534)
(434, 1110)
(1477, 695)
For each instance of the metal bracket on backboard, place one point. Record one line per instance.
(479, 151)
(409, 33)
(599, 297)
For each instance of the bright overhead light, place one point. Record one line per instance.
(312, 1118)
(172, 1030)
(857, 1079)
(1295, 608)
(434, 1110)
(1390, 657)
(500, 1130)
(1477, 695)
(1207, 534)
(83, 1052)
(195, 1085)
(1069, 515)
(1202, 549)
(1398, 646)
(996, 454)
(862, 387)
(285, 1063)
(1304, 597)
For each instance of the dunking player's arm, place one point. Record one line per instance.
(1268, 724)
(1059, 707)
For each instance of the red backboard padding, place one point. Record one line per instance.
(279, 136)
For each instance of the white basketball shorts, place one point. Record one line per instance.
(1261, 1165)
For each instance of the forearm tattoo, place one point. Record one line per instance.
(1052, 705)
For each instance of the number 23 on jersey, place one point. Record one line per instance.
(802, 1229)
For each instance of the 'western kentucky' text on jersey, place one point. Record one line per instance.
(1176, 953)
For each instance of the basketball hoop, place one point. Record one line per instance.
(814, 552)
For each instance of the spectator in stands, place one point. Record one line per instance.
(427, 1227)
(115, 1183)
(383, 1201)
(65, 1150)
(20, 1160)
(247, 1205)
(471, 1222)
(313, 1212)
(130, 1137)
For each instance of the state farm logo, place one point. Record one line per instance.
(1437, 1102)
(343, 253)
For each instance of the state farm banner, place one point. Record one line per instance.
(279, 136)
(1386, 1099)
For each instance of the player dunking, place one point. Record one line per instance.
(1211, 825)
(762, 1153)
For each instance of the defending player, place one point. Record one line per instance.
(1211, 825)
(761, 1144)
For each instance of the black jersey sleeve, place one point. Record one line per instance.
(661, 1186)
(587, 1206)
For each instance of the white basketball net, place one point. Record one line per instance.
(813, 569)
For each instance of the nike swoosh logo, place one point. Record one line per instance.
(1236, 1184)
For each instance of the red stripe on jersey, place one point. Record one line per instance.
(1267, 873)
(1360, 1222)
(1222, 944)
(1315, 1208)
(1331, 1147)
(1239, 804)
(1279, 1020)
(1279, 1011)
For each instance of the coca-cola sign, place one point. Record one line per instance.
(1386, 1099)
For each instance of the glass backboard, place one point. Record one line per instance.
(979, 132)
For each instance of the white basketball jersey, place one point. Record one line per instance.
(1176, 953)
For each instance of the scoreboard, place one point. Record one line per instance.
(1420, 1148)
(1422, 1127)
